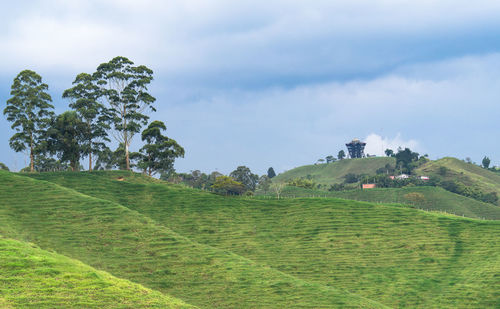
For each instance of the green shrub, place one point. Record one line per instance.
(302, 183)
(3, 167)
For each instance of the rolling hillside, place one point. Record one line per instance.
(331, 173)
(393, 255)
(469, 174)
(435, 199)
(31, 277)
(130, 245)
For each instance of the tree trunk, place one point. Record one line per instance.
(125, 139)
(127, 160)
(32, 156)
(32, 164)
(90, 161)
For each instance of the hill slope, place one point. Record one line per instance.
(125, 243)
(331, 173)
(435, 199)
(31, 277)
(469, 174)
(397, 256)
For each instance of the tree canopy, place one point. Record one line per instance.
(65, 138)
(271, 173)
(85, 95)
(228, 186)
(486, 162)
(125, 88)
(406, 160)
(30, 112)
(341, 155)
(243, 175)
(159, 152)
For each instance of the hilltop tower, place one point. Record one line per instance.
(356, 148)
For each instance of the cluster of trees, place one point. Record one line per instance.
(382, 180)
(112, 100)
(406, 160)
(238, 182)
(330, 159)
(474, 192)
(302, 183)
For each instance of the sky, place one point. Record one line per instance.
(278, 83)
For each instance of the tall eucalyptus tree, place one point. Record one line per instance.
(125, 88)
(85, 96)
(30, 111)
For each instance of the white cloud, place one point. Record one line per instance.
(376, 144)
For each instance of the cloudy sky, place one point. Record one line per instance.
(278, 83)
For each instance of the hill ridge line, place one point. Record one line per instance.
(429, 212)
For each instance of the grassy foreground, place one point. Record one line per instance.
(397, 256)
(34, 278)
(130, 245)
(435, 199)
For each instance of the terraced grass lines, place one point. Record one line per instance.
(130, 245)
(398, 256)
(34, 278)
(435, 199)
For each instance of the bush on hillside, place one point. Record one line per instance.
(351, 178)
(302, 183)
(337, 187)
(3, 167)
(226, 185)
(387, 169)
(415, 197)
(469, 191)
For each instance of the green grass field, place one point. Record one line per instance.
(393, 255)
(327, 174)
(133, 246)
(33, 278)
(435, 199)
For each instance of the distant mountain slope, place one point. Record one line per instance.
(130, 245)
(32, 277)
(398, 256)
(467, 173)
(334, 172)
(435, 198)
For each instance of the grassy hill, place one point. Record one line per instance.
(466, 173)
(435, 199)
(131, 245)
(331, 173)
(396, 256)
(31, 277)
